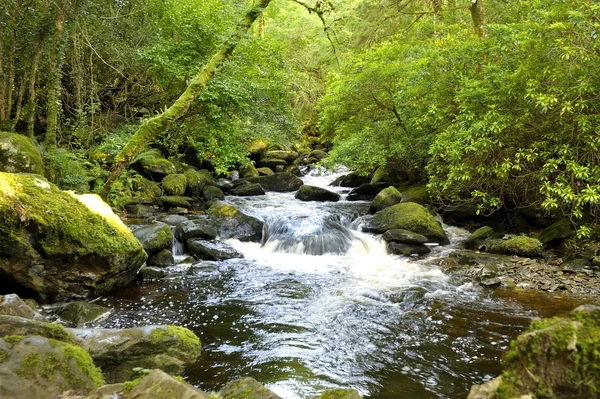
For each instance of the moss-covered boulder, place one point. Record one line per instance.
(118, 351)
(264, 172)
(287, 156)
(555, 234)
(318, 155)
(156, 168)
(145, 188)
(160, 385)
(42, 368)
(279, 182)
(477, 238)
(313, 193)
(350, 180)
(247, 190)
(212, 250)
(400, 248)
(12, 305)
(231, 223)
(15, 325)
(197, 180)
(148, 273)
(248, 171)
(407, 216)
(246, 388)
(175, 184)
(381, 175)
(520, 245)
(79, 314)
(258, 148)
(19, 155)
(416, 194)
(162, 258)
(366, 191)
(155, 236)
(404, 236)
(212, 193)
(339, 393)
(198, 228)
(555, 358)
(60, 245)
(385, 198)
(271, 163)
(174, 201)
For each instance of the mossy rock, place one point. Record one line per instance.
(118, 351)
(19, 155)
(385, 198)
(247, 190)
(407, 216)
(199, 228)
(145, 188)
(156, 168)
(12, 305)
(555, 234)
(162, 258)
(271, 163)
(381, 175)
(520, 245)
(212, 193)
(175, 184)
(400, 248)
(287, 156)
(155, 236)
(147, 273)
(319, 155)
(265, 171)
(350, 180)
(15, 325)
(555, 358)
(174, 201)
(61, 245)
(313, 193)
(404, 236)
(416, 194)
(231, 223)
(339, 393)
(38, 367)
(279, 182)
(248, 171)
(78, 314)
(246, 388)
(160, 385)
(478, 236)
(258, 148)
(212, 250)
(197, 180)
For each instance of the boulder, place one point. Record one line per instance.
(231, 223)
(520, 245)
(212, 193)
(279, 182)
(154, 236)
(152, 273)
(407, 216)
(404, 236)
(60, 245)
(160, 385)
(477, 238)
(198, 228)
(385, 198)
(42, 368)
(140, 211)
(15, 325)
(312, 193)
(350, 180)
(366, 191)
(319, 155)
(287, 156)
(270, 163)
(118, 351)
(173, 220)
(197, 180)
(246, 388)
(258, 148)
(555, 234)
(264, 172)
(212, 250)
(381, 175)
(162, 258)
(248, 171)
(247, 190)
(156, 168)
(12, 305)
(399, 248)
(175, 184)
(416, 194)
(339, 393)
(79, 314)
(19, 155)
(174, 201)
(146, 188)
(294, 169)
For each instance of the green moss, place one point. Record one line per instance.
(12, 340)
(187, 341)
(175, 184)
(129, 385)
(19, 155)
(29, 367)
(4, 356)
(339, 393)
(57, 332)
(521, 245)
(84, 363)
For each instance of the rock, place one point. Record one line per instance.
(199, 228)
(555, 234)
(295, 170)
(197, 180)
(478, 236)
(416, 194)
(407, 216)
(382, 175)
(521, 246)
(557, 356)
(488, 271)
(224, 184)
(319, 155)
(231, 223)
(398, 248)
(272, 164)
(246, 388)
(175, 184)
(12, 305)
(160, 385)
(60, 245)
(248, 171)
(404, 236)
(156, 168)
(265, 172)
(258, 148)
(15, 325)
(459, 214)
(145, 188)
(246, 190)
(339, 393)
(173, 220)
(350, 180)
(596, 261)
(212, 250)
(366, 191)
(78, 314)
(140, 211)
(385, 198)
(152, 273)
(279, 182)
(312, 193)
(212, 193)
(287, 156)
(162, 258)
(155, 236)
(19, 155)
(174, 201)
(486, 390)
(118, 351)
(42, 368)
(110, 391)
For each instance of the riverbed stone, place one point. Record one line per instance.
(352, 179)
(340, 393)
(404, 236)
(408, 216)
(271, 163)
(246, 388)
(287, 156)
(155, 236)
(232, 223)
(60, 245)
(212, 250)
(555, 234)
(265, 171)
(248, 189)
(248, 171)
(118, 351)
(478, 237)
(199, 228)
(416, 194)
(148, 273)
(156, 168)
(279, 182)
(79, 313)
(140, 210)
(212, 193)
(366, 191)
(174, 184)
(16, 325)
(162, 258)
(520, 245)
(313, 193)
(42, 368)
(174, 201)
(19, 155)
(385, 198)
(399, 248)
(197, 180)
(12, 305)
(318, 155)
(160, 385)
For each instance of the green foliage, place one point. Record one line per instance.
(68, 169)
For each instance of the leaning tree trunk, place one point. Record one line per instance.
(161, 122)
(55, 72)
(478, 18)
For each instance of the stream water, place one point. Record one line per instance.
(321, 305)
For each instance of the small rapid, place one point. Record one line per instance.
(320, 304)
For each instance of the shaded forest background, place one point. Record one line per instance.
(492, 103)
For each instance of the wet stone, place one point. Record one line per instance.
(212, 250)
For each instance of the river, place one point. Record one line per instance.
(322, 305)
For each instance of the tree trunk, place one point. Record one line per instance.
(31, 94)
(55, 72)
(478, 18)
(2, 80)
(19, 106)
(160, 123)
